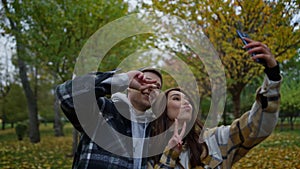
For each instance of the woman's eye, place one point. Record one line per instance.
(176, 98)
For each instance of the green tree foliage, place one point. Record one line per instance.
(14, 26)
(15, 106)
(45, 101)
(50, 35)
(290, 101)
(4, 90)
(59, 29)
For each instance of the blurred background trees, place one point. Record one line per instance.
(290, 103)
(47, 36)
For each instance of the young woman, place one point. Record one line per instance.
(179, 111)
(223, 145)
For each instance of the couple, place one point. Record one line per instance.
(129, 115)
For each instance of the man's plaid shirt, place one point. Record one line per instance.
(89, 154)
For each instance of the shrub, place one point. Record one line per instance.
(21, 129)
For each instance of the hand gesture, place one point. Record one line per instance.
(261, 51)
(138, 81)
(175, 142)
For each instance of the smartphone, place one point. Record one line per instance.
(241, 36)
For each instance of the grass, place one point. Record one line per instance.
(280, 150)
(51, 152)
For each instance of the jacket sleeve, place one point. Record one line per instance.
(234, 141)
(167, 160)
(79, 93)
(257, 124)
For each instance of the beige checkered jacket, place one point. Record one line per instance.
(228, 144)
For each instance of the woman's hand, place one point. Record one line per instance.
(175, 142)
(261, 51)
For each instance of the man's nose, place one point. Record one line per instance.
(154, 91)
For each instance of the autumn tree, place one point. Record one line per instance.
(259, 19)
(270, 22)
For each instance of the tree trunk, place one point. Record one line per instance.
(3, 124)
(58, 126)
(34, 133)
(236, 100)
(292, 122)
(281, 123)
(4, 94)
(3, 120)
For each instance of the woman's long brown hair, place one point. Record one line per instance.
(162, 124)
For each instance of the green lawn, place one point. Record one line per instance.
(280, 150)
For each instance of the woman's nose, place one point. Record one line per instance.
(186, 102)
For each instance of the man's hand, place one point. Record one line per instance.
(138, 81)
(261, 51)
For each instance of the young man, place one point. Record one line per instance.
(109, 126)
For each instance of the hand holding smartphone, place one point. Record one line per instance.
(241, 36)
